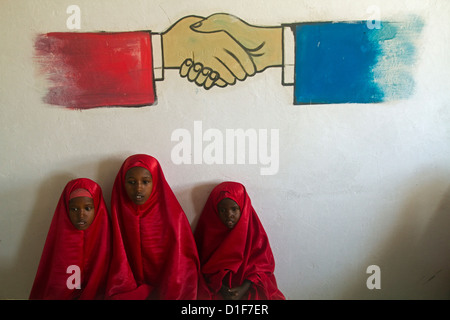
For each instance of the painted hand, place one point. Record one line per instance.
(262, 44)
(206, 58)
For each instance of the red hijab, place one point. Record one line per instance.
(237, 254)
(155, 255)
(67, 246)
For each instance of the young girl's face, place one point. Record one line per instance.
(138, 185)
(81, 212)
(229, 212)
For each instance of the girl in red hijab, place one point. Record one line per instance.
(235, 255)
(76, 254)
(155, 255)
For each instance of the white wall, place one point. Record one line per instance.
(357, 185)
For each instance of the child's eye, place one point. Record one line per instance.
(88, 208)
(73, 209)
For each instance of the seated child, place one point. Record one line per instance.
(235, 255)
(155, 256)
(76, 255)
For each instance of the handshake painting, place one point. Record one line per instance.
(324, 62)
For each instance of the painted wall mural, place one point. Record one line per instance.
(325, 62)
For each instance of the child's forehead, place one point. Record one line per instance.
(81, 200)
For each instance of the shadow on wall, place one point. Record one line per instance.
(200, 194)
(18, 277)
(106, 175)
(415, 261)
(17, 274)
(193, 198)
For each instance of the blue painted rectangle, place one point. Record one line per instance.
(335, 63)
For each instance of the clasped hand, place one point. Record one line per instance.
(219, 49)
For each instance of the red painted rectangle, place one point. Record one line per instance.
(88, 70)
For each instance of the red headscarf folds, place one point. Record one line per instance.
(67, 246)
(155, 256)
(237, 254)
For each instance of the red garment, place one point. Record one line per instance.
(88, 70)
(155, 256)
(235, 254)
(67, 246)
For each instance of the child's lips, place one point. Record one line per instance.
(139, 198)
